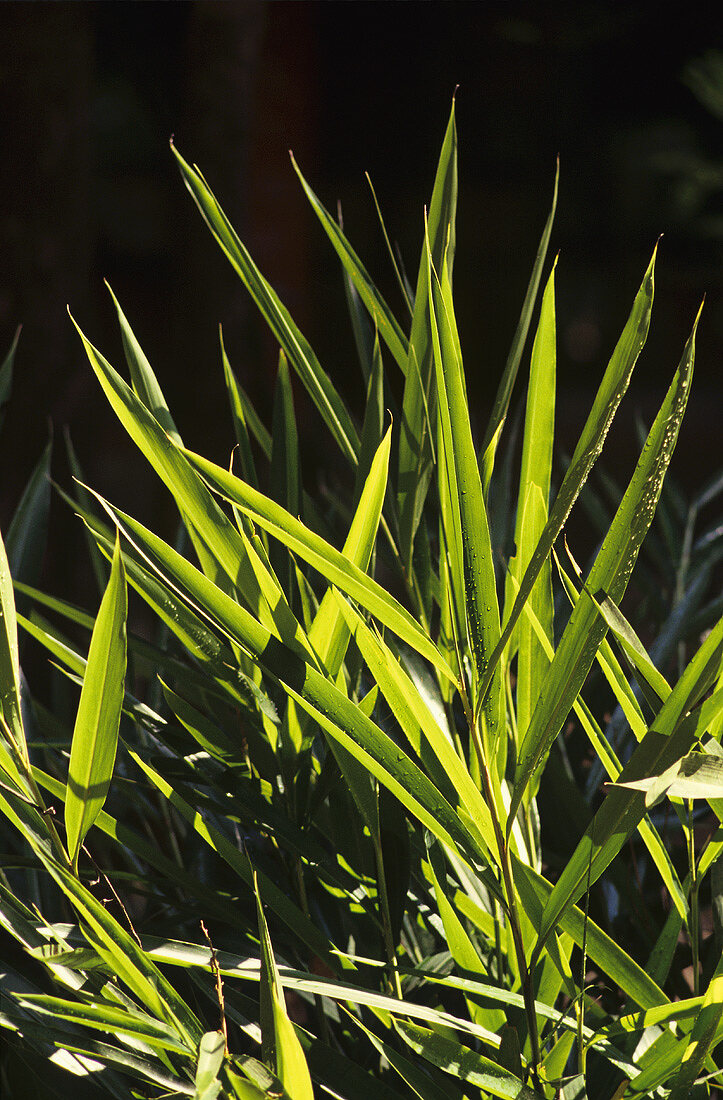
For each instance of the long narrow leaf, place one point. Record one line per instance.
(507, 382)
(418, 404)
(9, 661)
(240, 564)
(379, 311)
(610, 574)
(95, 738)
(532, 507)
(291, 1067)
(609, 395)
(457, 450)
(669, 738)
(288, 336)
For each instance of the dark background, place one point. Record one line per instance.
(91, 93)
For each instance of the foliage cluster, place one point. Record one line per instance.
(396, 798)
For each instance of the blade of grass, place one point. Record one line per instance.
(610, 573)
(105, 1017)
(534, 493)
(291, 1067)
(143, 378)
(240, 414)
(670, 737)
(379, 311)
(243, 568)
(295, 346)
(458, 453)
(285, 477)
(9, 661)
(609, 395)
(418, 405)
(464, 1063)
(95, 738)
(507, 382)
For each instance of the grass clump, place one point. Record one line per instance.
(342, 841)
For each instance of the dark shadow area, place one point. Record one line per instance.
(92, 92)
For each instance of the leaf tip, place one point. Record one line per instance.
(698, 314)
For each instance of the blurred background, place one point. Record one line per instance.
(630, 96)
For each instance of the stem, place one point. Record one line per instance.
(694, 917)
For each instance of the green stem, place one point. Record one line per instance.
(694, 916)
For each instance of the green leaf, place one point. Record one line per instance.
(697, 775)
(244, 417)
(605, 754)
(329, 633)
(460, 945)
(608, 397)
(287, 335)
(291, 1067)
(143, 377)
(418, 404)
(670, 737)
(412, 1074)
(373, 427)
(445, 767)
(95, 737)
(507, 382)
(83, 504)
(379, 311)
(286, 910)
(322, 556)
(633, 648)
(211, 1052)
(118, 948)
(335, 713)
(9, 662)
(532, 501)
(106, 1017)
(229, 549)
(285, 475)
(149, 852)
(457, 453)
(463, 1063)
(574, 1088)
(609, 573)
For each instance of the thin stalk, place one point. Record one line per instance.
(694, 915)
